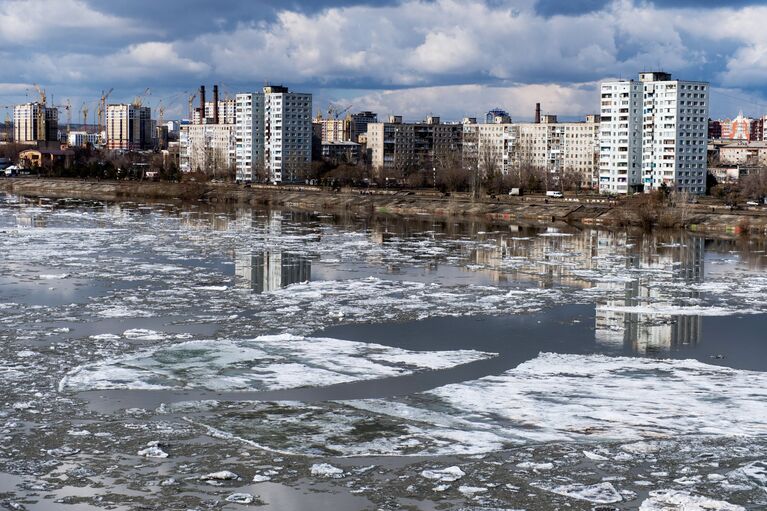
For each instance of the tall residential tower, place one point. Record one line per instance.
(653, 134)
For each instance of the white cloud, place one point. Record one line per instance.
(457, 101)
(25, 21)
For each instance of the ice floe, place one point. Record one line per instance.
(552, 398)
(600, 493)
(326, 470)
(447, 475)
(675, 500)
(265, 363)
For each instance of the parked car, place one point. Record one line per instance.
(555, 195)
(752, 203)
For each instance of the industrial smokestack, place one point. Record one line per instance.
(537, 113)
(202, 104)
(215, 104)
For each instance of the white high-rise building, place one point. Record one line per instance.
(653, 134)
(274, 132)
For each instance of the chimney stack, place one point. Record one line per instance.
(537, 113)
(215, 104)
(202, 104)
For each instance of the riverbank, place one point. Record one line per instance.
(708, 217)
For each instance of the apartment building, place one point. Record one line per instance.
(744, 153)
(359, 124)
(81, 138)
(128, 127)
(653, 134)
(551, 145)
(273, 132)
(208, 148)
(208, 143)
(620, 137)
(34, 122)
(490, 146)
(334, 130)
(401, 148)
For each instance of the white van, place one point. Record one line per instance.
(555, 195)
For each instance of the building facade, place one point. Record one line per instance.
(34, 122)
(273, 133)
(208, 148)
(359, 124)
(744, 153)
(741, 128)
(399, 148)
(653, 134)
(82, 138)
(129, 127)
(553, 146)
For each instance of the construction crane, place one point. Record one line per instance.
(84, 110)
(68, 108)
(161, 113)
(41, 92)
(335, 112)
(41, 135)
(102, 110)
(138, 101)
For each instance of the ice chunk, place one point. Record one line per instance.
(674, 500)
(153, 451)
(600, 493)
(530, 465)
(223, 475)
(446, 475)
(326, 470)
(470, 491)
(240, 498)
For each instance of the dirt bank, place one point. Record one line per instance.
(584, 210)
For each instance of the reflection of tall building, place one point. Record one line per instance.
(269, 271)
(642, 332)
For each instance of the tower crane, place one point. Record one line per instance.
(337, 112)
(68, 107)
(41, 135)
(139, 100)
(102, 110)
(84, 110)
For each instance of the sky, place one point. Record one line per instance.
(452, 58)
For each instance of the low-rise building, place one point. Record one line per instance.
(82, 138)
(741, 153)
(341, 152)
(46, 158)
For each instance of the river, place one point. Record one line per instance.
(157, 356)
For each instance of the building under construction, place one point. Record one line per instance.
(35, 122)
(128, 127)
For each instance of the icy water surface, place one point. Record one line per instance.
(156, 357)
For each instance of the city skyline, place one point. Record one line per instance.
(410, 58)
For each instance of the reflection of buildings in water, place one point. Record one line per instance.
(646, 333)
(27, 220)
(269, 271)
(204, 221)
